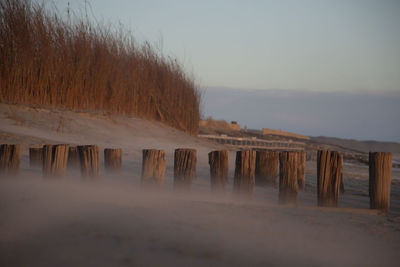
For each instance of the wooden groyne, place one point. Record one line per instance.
(55, 158)
(380, 177)
(243, 181)
(73, 157)
(219, 168)
(251, 168)
(112, 159)
(267, 168)
(301, 169)
(185, 167)
(89, 160)
(153, 166)
(9, 159)
(288, 184)
(255, 143)
(329, 177)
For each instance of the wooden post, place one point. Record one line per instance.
(243, 181)
(329, 177)
(185, 162)
(113, 159)
(35, 156)
(342, 184)
(219, 168)
(89, 160)
(9, 159)
(73, 157)
(380, 177)
(153, 166)
(267, 163)
(55, 158)
(288, 184)
(301, 169)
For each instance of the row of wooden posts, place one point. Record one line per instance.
(251, 167)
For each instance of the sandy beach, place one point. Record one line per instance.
(114, 221)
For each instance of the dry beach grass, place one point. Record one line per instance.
(47, 61)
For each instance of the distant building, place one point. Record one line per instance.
(220, 125)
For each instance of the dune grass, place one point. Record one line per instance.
(48, 61)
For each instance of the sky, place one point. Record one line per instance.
(320, 46)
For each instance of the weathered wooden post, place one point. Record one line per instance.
(301, 169)
(73, 157)
(89, 160)
(219, 168)
(153, 166)
(185, 163)
(243, 181)
(342, 190)
(329, 177)
(288, 184)
(380, 178)
(9, 159)
(55, 158)
(113, 159)
(35, 156)
(267, 164)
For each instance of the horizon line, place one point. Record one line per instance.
(355, 91)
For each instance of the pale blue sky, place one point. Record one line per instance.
(316, 45)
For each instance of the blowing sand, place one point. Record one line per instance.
(114, 221)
